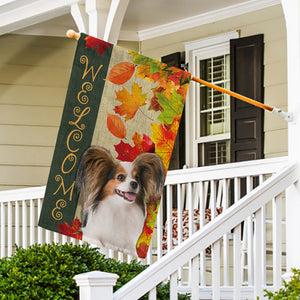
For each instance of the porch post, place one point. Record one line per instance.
(96, 285)
(291, 10)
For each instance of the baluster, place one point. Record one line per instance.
(258, 288)
(120, 256)
(173, 286)
(215, 260)
(9, 229)
(237, 268)
(225, 236)
(24, 224)
(194, 282)
(159, 231)
(48, 236)
(152, 294)
(202, 219)
(17, 223)
(277, 240)
(169, 217)
(179, 227)
(40, 230)
(249, 229)
(32, 222)
(2, 229)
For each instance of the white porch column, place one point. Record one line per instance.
(96, 285)
(292, 18)
(105, 18)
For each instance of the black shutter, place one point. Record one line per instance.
(246, 78)
(178, 156)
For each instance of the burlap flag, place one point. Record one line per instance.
(115, 141)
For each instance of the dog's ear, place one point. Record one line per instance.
(150, 171)
(95, 167)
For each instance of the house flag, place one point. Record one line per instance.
(114, 144)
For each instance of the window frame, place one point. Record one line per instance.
(196, 51)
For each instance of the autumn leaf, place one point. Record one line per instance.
(130, 102)
(126, 152)
(171, 108)
(163, 136)
(143, 71)
(121, 73)
(116, 126)
(74, 231)
(94, 43)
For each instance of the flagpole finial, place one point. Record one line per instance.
(73, 34)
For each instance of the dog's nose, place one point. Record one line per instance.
(134, 184)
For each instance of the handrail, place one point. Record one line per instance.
(199, 241)
(241, 169)
(230, 170)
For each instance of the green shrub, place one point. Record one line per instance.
(290, 291)
(46, 272)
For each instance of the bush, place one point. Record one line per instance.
(290, 291)
(47, 271)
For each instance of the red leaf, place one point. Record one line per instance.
(121, 73)
(116, 126)
(142, 250)
(74, 231)
(126, 152)
(94, 43)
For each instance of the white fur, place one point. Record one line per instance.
(116, 223)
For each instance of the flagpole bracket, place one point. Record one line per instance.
(285, 115)
(73, 34)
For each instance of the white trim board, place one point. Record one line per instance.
(206, 18)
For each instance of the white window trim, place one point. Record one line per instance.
(195, 50)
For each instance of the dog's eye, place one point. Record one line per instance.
(137, 178)
(121, 177)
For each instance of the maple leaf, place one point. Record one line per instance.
(130, 102)
(92, 42)
(121, 73)
(163, 136)
(116, 126)
(74, 231)
(176, 76)
(143, 71)
(171, 108)
(126, 152)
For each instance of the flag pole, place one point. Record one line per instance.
(286, 115)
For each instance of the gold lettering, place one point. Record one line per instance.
(59, 178)
(77, 136)
(84, 99)
(71, 157)
(56, 213)
(77, 113)
(85, 60)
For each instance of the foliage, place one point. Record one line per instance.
(290, 291)
(47, 271)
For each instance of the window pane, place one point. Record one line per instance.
(214, 105)
(214, 153)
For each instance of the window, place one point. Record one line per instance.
(208, 110)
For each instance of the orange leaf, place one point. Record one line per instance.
(130, 102)
(116, 126)
(164, 137)
(121, 73)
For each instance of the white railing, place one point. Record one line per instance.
(250, 206)
(188, 192)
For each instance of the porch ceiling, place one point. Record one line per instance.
(143, 19)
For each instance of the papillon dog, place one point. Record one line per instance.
(113, 195)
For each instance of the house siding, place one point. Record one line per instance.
(271, 23)
(35, 72)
